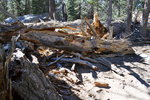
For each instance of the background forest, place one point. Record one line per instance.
(74, 9)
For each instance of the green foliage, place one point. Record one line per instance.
(75, 8)
(71, 9)
(2, 16)
(37, 6)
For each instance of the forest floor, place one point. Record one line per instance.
(133, 85)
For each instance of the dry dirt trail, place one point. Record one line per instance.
(134, 85)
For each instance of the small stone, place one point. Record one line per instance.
(148, 80)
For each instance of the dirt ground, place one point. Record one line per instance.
(133, 85)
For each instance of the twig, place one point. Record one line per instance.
(57, 59)
(85, 58)
(79, 61)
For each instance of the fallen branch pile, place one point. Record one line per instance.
(46, 46)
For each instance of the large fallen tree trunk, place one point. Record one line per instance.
(28, 81)
(77, 43)
(32, 84)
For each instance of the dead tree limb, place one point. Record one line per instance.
(55, 60)
(79, 61)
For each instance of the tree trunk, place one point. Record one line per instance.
(145, 17)
(76, 43)
(64, 12)
(5, 83)
(18, 3)
(33, 85)
(109, 19)
(129, 16)
(118, 7)
(27, 7)
(79, 11)
(91, 13)
(52, 9)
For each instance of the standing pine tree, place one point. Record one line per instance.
(52, 9)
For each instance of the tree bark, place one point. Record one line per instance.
(118, 7)
(109, 19)
(5, 82)
(52, 9)
(27, 7)
(129, 16)
(64, 12)
(145, 17)
(77, 43)
(33, 85)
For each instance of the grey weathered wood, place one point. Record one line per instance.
(78, 44)
(110, 32)
(5, 82)
(33, 85)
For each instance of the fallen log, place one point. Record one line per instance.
(77, 43)
(33, 85)
(5, 82)
(79, 61)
